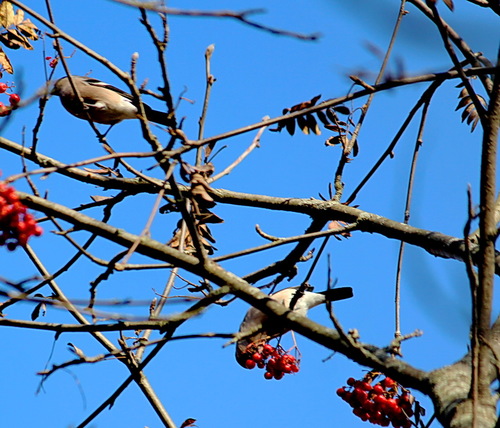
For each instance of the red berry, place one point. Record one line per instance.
(378, 389)
(261, 364)
(351, 381)
(257, 357)
(365, 386)
(48, 57)
(369, 406)
(3, 87)
(381, 401)
(14, 99)
(250, 364)
(271, 364)
(391, 407)
(360, 395)
(341, 392)
(388, 383)
(278, 375)
(268, 375)
(267, 349)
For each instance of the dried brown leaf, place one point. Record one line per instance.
(322, 117)
(339, 225)
(99, 198)
(302, 122)
(290, 126)
(312, 124)
(6, 14)
(335, 128)
(189, 422)
(199, 190)
(5, 63)
(463, 102)
(333, 141)
(29, 29)
(40, 308)
(13, 39)
(332, 116)
(77, 351)
(449, 3)
(19, 16)
(208, 217)
(469, 114)
(342, 110)
(305, 104)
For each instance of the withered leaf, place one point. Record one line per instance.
(290, 126)
(99, 198)
(189, 422)
(332, 141)
(19, 17)
(5, 63)
(205, 233)
(13, 39)
(40, 308)
(77, 351)
(339, 225)
(335, 128)
(305, 104)
(29, 29)
(342, 110)
(5, 39)
(208, 217)
(449, 3)
(302, 122)
(331, 115)
(312, 124)
(199, 190)
(168, 208)
(322, 117)
(6, 14)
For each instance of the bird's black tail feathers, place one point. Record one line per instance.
(339, 293)
(159, 117)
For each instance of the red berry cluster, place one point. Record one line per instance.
(53, 61)
(16, 225)
(14, 100)
(276, 361)
(381, 404)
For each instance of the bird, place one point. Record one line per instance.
(261, 328)
(102, 103)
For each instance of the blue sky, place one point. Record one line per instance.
(257, 74)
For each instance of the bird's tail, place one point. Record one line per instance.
(159, 117)
(339, 293)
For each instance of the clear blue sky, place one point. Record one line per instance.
(257, 74)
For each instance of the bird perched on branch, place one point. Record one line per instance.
(257, 328)
(102, 103)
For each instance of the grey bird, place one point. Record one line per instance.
(103, 102)
(262, 329)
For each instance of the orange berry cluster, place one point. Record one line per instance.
(383, 403)
(276, 361)
(14, 100)
(16, 225)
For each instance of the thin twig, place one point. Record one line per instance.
(209, 82)
(255, 143)
(409, 192)
(239, 16)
